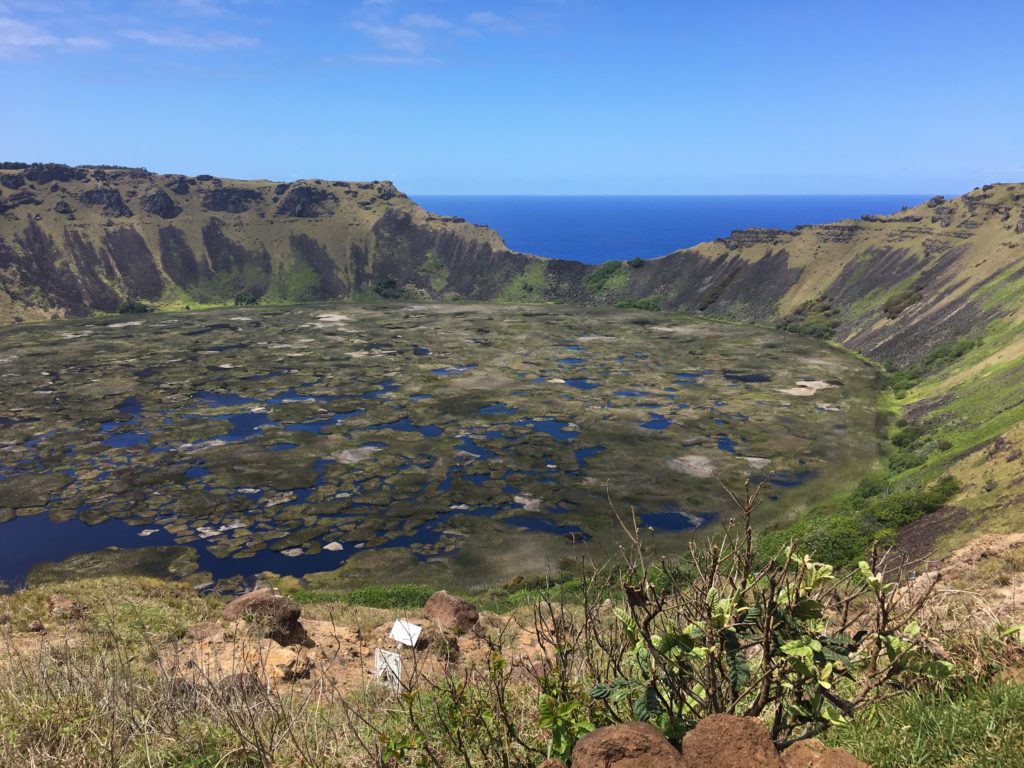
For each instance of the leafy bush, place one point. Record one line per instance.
(636, 263)
(388, 289)
(790, 640)
(246, 299)
(132, 306)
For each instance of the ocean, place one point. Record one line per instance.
(595, 229)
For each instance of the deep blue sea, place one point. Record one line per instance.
(596, 229)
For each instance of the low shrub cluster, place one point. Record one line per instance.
(903, 379)
(816, 317)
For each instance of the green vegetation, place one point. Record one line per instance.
(396, 596)
(895, 304)
(529, 286)
(979, 725)
(636, 263)
(388, 289)
(134, 307)
(246, 299)
(598, 280)
(817, 318)
(436, 270)
(903, 379)
(842, 532)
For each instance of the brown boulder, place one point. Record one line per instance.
(276, 616)
(450, 613)
(65, 608)
(630, 745)
(811, 753)
(210, 631)
(727, 741)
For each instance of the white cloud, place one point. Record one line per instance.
(19, 38)
(390, 59)
(86, 43)
(493, 22)
(178, 39)
(392, 36)
(426, 21)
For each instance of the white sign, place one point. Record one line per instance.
(387, 667)
(406, 633)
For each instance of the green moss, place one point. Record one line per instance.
(529, 286)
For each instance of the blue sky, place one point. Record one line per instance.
(526, 96)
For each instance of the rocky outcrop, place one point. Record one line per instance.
(276, 616)
(109, 200)
(159, 203)
(451, 614)
(726, 741)
(305, 202)
(65, 608)
(630, 745)
(718, 741)
(230, 199)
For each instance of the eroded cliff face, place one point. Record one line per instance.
(893, 287)
(79, 240)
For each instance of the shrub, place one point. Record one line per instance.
(388, 289)
(246, 299)
(790, 639)
(131, 306)
(636, 263)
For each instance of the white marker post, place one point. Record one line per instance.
(387, 667)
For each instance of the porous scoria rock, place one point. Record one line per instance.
(450, 613)
(727, 741)
(811, 753)
(206, 630)
(276, 614)
(216, 659)
(65, 608)
(630, 745)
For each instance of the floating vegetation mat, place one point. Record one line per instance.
(467, 441)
